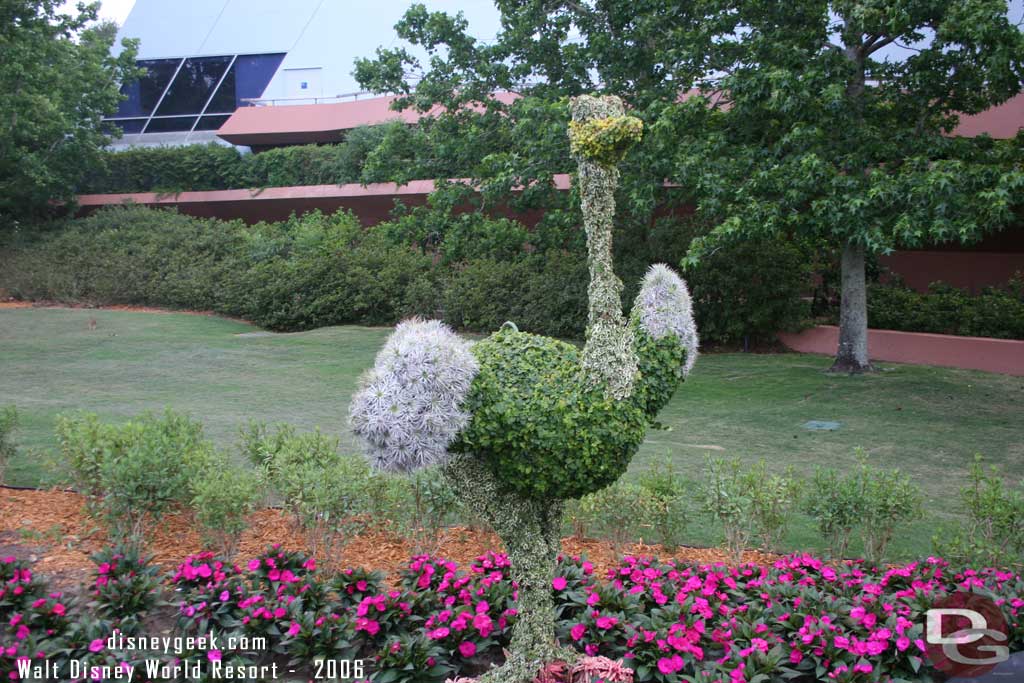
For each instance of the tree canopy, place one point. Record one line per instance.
(58, 79)
(828, 120)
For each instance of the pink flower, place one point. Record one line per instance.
(671, 665)
(577, 631)
(213, 655)
(439, 633)
(58, 609)
(606, 623)
(225, 596)
(96, 645)
(294, 629)
(467, 648)
(558, 583)
(368, 625)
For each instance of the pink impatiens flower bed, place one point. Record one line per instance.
(797, 619)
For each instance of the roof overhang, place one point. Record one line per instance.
(295, 124)
(370, 203)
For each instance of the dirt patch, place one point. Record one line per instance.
(114, 307)
(53, 529)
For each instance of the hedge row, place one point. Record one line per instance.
(473, 271)
(216, 167)
(997, 312)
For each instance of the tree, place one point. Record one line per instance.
(59, 79)
(809, 126)
(808, 119)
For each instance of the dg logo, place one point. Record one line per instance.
(966, 635)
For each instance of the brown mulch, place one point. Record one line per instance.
(112, 307)
(53, 529)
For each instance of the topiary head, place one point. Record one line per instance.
(601, 131)
(606, 140)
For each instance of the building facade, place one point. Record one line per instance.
(205, 59)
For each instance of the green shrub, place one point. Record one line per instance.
(433, 502)
(223, 497)
(135, 472)
(875, 500)
(330, 502)
(888, 498)
(773, 498)
(128, 255)
(996, 312)
(751, 290)
(8, 423)
(622, 511)
(993, 533)
(748, 501)
(329, 495)
(665, 489)
(832, 502)
(219, 167)
(473, 271)
(725, 495)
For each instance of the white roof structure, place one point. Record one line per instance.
(207, 57)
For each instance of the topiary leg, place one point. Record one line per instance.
(529, 529)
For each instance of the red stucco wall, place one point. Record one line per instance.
(974, 353)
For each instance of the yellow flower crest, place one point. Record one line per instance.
(605, 140)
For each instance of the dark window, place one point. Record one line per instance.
(223, 101)
(253, 73)
(144, 93)
(212, 122)
(172, 125)
(129, 126)
(193, 85)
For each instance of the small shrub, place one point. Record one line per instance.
(773, 498)
(8, 423)
(875, 500)
(84, 441)
(135, 472)
(726, 496)
(328, 501)
(664, 486)
(432, 503)
(280, 453)
(993, 534)
(224, 496)
(888, 498)
(125, 586)
(623, 511)
(832, 502)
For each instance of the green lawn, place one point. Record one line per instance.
(927, 421)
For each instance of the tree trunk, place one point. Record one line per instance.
(529, 529)
(852, 354)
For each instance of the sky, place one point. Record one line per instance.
(115, 10)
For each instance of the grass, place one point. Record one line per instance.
(926, 421)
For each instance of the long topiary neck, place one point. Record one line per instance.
(609, 358)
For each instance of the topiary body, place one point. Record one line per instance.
(538, 427)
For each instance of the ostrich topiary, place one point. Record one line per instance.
(519, 422)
